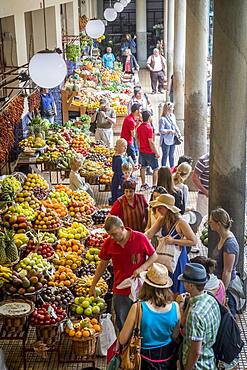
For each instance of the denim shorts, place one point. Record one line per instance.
(148, 160)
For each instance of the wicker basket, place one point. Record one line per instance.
(84, 347)
(16, 322)
(48, 334)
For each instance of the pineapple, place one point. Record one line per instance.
(8, 245)
(3, 257)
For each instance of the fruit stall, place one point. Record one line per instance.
(50, 149)
(84, 89)
(50, 239)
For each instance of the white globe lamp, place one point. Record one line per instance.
(110, 14)
(95, 28)
(118, 7)
(47, 69)
(124, 2)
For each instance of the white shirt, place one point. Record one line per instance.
(157, 62)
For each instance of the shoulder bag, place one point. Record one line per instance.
(131, 352)
(168, 254)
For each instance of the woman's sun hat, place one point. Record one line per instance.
(165, 200)
(157, 276)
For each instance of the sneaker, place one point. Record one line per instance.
(154, 92)
(161, 91)
(232, 365)
(145, 187)
(195, 249)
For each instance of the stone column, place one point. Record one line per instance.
(179, 61)
(195, 127)
(141, 32)
(58, 26)
(229, 115)
(72, 18)
(20, 39)
(165, 21)
(170, 42)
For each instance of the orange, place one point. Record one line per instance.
(67, 329)
(75, 248)
(67, 283)
(62, 276)
(78, 334)
(94, 321)
(86, 333)
(96, 327)
(71, 333)
(74, 266)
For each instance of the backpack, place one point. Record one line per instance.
(228, 342)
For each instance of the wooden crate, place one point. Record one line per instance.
(67, 106)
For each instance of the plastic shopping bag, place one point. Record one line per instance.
(134, 284)
(107, 336)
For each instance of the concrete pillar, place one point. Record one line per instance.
(141, 32)
(165, 21)
(100, 9)
(195, 127)
(179, 60)
(229, 115)
(170, 41)
(72, 18)
(58, 26)
(20, 38)
(38, 29)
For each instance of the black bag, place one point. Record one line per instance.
(228, 343)
(177, 140)
(93, 125)
(48, 112)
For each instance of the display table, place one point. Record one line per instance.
(67, 106)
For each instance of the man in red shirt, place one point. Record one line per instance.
(148, 153)
(128, 130)
(131, 253)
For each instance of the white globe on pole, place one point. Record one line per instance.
(118, 7)
(124, 2)
(95, 28)
(47, 69)
(128, 1)
(110, 14)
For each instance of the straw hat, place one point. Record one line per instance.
(157, 276)
(165, 200)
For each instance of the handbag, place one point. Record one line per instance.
(168, 254)
(48, 112)
(131, 352)
(177, 140)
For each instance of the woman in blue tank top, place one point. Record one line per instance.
(160, 321)
(176, 231)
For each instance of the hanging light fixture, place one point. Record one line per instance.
(124, 2)
(95, 28)
(47, 68)
(118, 7)
(110, 14)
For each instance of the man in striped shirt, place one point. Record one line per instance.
(202, 319)
(200, 178)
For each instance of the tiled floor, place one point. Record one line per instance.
(12, 350)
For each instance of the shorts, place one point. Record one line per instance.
(148, 160)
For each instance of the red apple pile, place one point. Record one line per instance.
(96, 240)
(47, 315)
(44, 249)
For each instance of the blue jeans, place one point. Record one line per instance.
(167, 151)
(131, 152)
(121, 304)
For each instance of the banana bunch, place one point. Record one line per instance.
(5, 274)
(9, 186)
(84, 283)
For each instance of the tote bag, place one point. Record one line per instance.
(168, 254)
